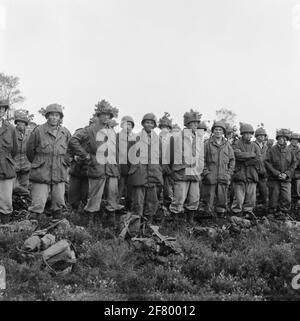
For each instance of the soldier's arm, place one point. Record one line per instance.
(268, 164)
(15, 144)
(231, 164)
(291, 169)
(68, 157)
(31, 145)
(242, 156)
(205, 169)
(75, 143)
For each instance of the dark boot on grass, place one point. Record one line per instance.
(5, 218)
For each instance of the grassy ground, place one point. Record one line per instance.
(255, 264)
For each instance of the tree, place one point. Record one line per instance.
(9, 89)
(226, 115)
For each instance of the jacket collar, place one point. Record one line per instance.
(60, 130)
(282, 149)
(213, 140)
(4, 126)
(261, 145)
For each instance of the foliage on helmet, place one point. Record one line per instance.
(165, 121)
(190, 116)
(283, 132)
(104, 107)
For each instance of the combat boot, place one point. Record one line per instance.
(190, 216)
(57, 215)
(280, 216)
(5, 218)
(109, 219)
(87, 218)
(33, 216)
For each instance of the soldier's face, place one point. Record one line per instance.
(294, 142)
(247, 136)
(104, 118)
(21, 125)
(2, 112)
(127, 126)
(53, 119)
(229, 135)
(281, 140)
(148, 125)
(218, 132)
(193, 125)
(260, 138)
(165, 129)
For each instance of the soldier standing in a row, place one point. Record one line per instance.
(260, 135)
(8, 149)
(245, 178)
(219, 162)
(145, 174)
(280, 163)
(294, 146)
(125, 138)
(47, 152)
(85, 144)
(165, 126)
(22, 163)
(186, 171)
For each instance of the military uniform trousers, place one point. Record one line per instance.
(40, 193)
(186, 195)
(6, 190)
(96, 190)
(244, 199)
(144, 201)
(22, 179)
(262, 186)
(280, 196)
(78, 191)
(218, 192)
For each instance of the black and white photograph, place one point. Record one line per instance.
(149, 152)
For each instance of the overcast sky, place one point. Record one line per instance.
(155, 56)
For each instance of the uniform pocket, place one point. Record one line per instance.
(10, 161)
(37, 165)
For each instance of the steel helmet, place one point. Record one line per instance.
(295, 136)
(176, 127)
(104, 107)
(165, 121)
(150, 116)
(21, 115)
(190, 116)
(4, 103)
(246, 128)
(54, 108)
(260, 131)
(202, 125)
(126, 119)
(283, 132)
(219, 124)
